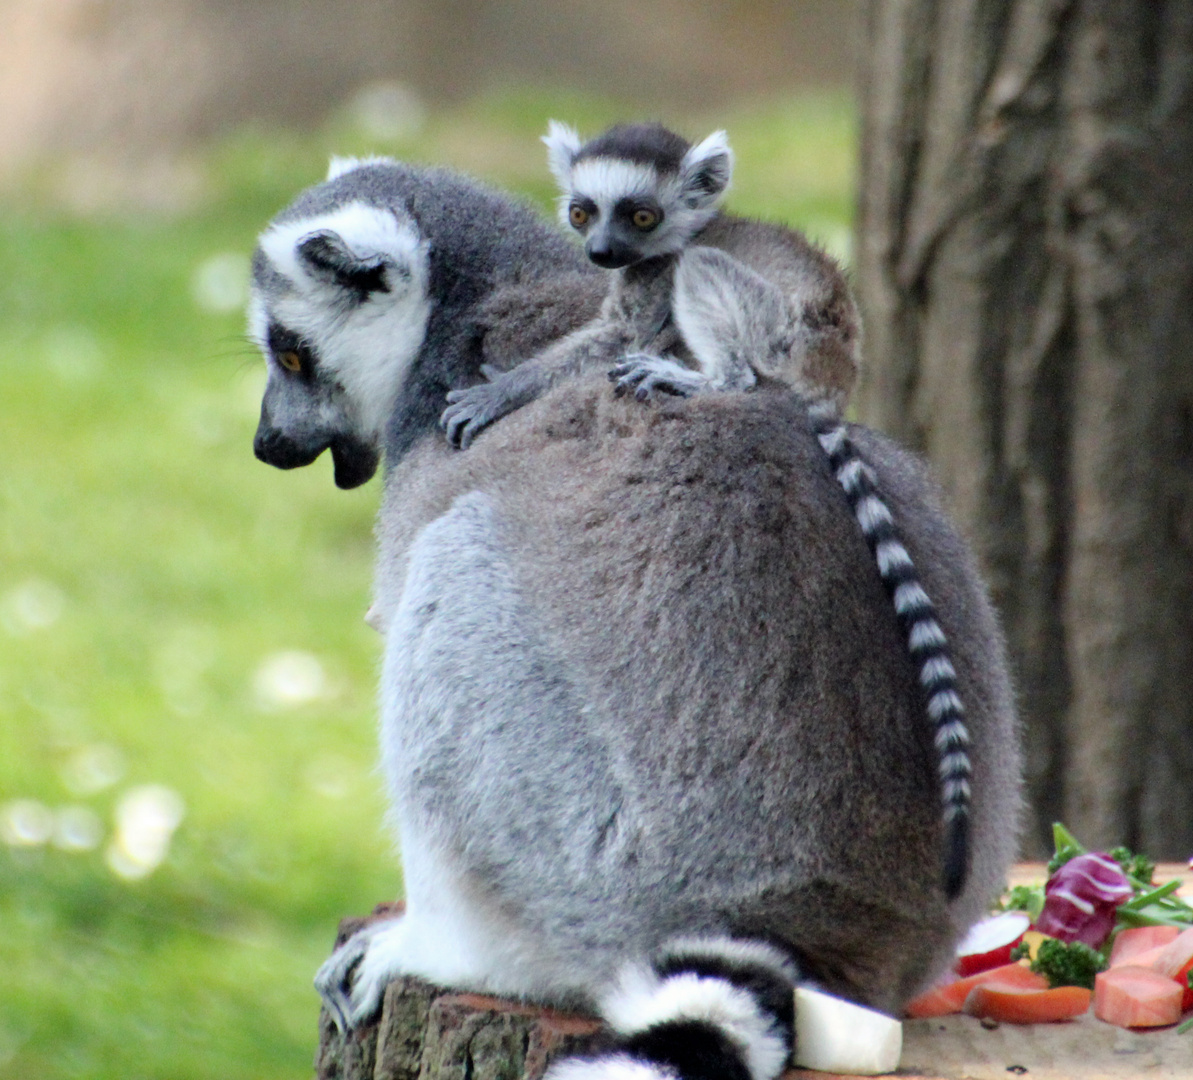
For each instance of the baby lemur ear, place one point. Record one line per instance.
(706, 170)
(328, 258)
(563, 144)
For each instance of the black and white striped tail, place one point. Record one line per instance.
(926, 640)
(703, 1009)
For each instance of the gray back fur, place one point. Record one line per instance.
(660, 688)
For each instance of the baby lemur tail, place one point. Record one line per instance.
(926, 640)
(703, 1009)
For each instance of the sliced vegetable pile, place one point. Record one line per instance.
(1098, 931)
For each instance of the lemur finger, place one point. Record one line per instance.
(469, 432)
(452, 421)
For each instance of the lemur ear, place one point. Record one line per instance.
(340, 165)
(563, 144)
(706, 170)
(328, 258)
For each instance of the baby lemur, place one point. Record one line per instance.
(646, 203)
(743, 301)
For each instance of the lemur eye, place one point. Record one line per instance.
(290, 360)
(578, 216)
(645, 219)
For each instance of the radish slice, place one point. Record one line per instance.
(838, 1036)
(989, 943)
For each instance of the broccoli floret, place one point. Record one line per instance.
(1029, 898)
(1137, 866)
(1062, 856)
(1071, 963)
(1022, 951)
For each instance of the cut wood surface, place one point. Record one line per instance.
(431, 1033)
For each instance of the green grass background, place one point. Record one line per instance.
(176, 565)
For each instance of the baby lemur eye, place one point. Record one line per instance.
(290, 360)
(645, 219)
(578, 216)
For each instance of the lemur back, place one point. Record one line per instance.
(744, 301)
(643, 703)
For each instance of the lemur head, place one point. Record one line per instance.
(638, 191)
(339, 307)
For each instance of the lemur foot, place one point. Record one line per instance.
(352, 980)
(651, 377)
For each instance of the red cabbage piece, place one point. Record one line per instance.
(1081, 897)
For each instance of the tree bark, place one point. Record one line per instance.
(1025, 269)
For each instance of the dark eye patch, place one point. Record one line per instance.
(286, 343)
(588, 206)
(625, 209)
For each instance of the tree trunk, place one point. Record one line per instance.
(1025, 268)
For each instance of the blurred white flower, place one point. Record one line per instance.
(220, 283)
(93, 768)
(146, 818)
(26, 823)
(287, 679)
(32, 605)
(77, 828)
(387, 111)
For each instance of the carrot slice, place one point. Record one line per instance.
(950, 997)
(1131, 996)
(1011, 1006)
(1176, 961)
(1140, 939)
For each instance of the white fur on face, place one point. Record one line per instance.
(608, 180)
(368, 345)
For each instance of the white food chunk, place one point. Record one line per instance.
(837, 1036)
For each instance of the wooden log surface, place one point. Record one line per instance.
(430, 1033)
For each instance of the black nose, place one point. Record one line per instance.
(611, 256)
(276, 448)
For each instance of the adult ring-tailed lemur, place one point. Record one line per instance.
(652, 738)
(741, 301)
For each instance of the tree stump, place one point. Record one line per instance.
(427, 1032)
